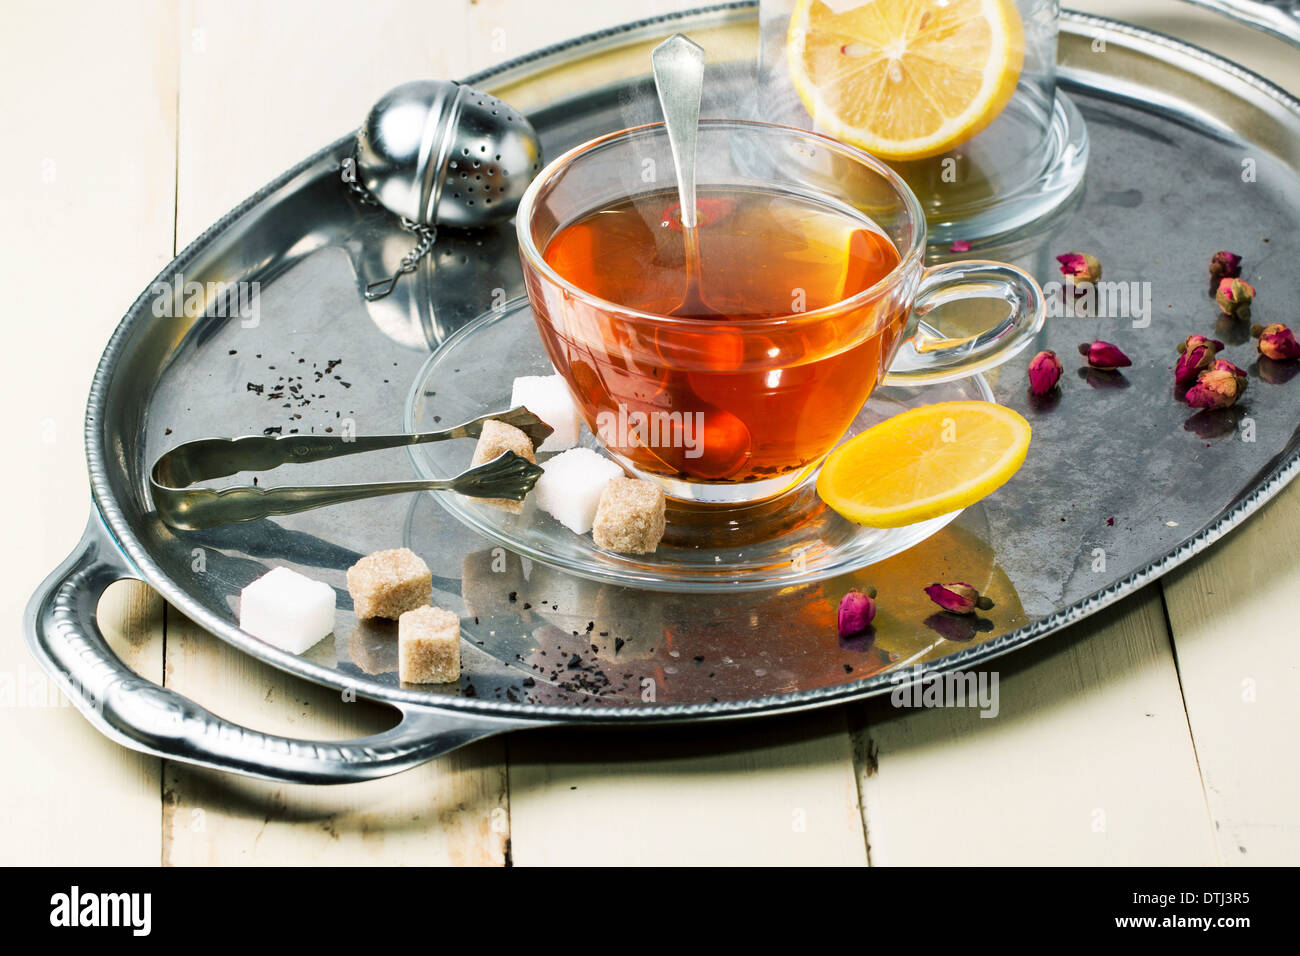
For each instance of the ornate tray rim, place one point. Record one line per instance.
(144, 567)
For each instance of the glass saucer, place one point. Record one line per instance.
(786, 542)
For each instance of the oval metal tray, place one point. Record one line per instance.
(1123, 483)
(1280, 18)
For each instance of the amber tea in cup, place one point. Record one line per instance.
(763, 254)
(727, 374)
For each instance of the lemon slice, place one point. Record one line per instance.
(905, 79)
(923, 463)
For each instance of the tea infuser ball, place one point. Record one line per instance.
(439, 153)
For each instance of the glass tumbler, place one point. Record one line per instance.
(1023, 164)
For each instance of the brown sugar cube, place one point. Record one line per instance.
(630, 516)
(428, 646)
(496, 439)
(387, 583)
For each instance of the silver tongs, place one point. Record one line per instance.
(192, 509)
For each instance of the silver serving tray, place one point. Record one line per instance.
(1127, 474)
(1279, 18)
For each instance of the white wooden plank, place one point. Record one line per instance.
(1029, 770)
(774, 792)
(1088, 760)
(1232, 629)
(87, 207)
(263, 85)
(1235, 635)
(500, 30)
(450, 811)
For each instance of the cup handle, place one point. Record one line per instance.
(927, 356)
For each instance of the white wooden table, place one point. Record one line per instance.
(1161, 731)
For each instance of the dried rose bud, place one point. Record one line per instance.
(1079, 267)
(857, 611)
(1234, 297)
(1104, 356)
(1223, 265)
(1197, 354)
(1216, 388)
(958, 597)
(1223, 365)
(961, 245)
(1276, 341)
(1044, 372)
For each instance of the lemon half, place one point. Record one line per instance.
(905, 79)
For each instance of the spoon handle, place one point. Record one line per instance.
(678, 65)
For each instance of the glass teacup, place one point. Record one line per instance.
(810, 291)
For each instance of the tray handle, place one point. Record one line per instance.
(63, 635)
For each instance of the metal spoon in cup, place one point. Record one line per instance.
(678, 66)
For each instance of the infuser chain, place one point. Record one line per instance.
(426, 236)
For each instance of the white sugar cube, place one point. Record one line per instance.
(571, 484)
(287, 609)
(547, 397)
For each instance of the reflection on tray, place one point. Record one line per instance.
(548, 637)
